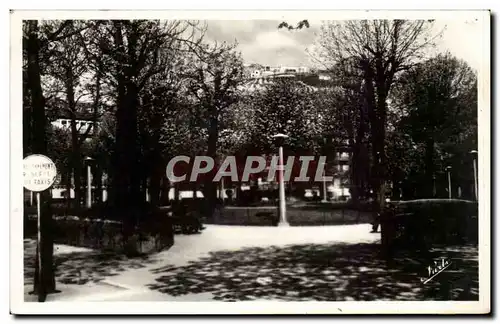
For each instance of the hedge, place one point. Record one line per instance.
(364, 206)
(423, 223)
(98, 211)
(296, 216)
(153, 233)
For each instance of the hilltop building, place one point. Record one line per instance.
(258, 71)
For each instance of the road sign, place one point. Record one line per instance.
(39, 172)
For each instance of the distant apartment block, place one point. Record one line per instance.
(257, 71)
(82, 126)
(83, 117)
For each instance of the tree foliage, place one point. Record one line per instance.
(301, 24)
(376, 51)
(216, 71)
(437, 100)
(287, 107)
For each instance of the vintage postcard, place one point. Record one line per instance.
(250, 162)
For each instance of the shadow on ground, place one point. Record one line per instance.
(81, 267)
(330, 272)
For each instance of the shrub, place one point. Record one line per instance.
(432, 221)
(365, 206)
(308, 216)
(93, 228)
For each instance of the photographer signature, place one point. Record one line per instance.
(435, 269)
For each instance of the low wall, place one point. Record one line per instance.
(106, 234)
(424, 224)
(268, 216)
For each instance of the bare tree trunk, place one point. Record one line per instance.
(76, 163)
(146, 194)
(76, 159)
(32, 44)
(429, 167)
(194, 189)
(210, 190)
(164, 189)
(377, 113)
(122, 199)
(27, 121)
(358, 160)
(176, 185)
(68, 181)
(134, 159)
(154, 188)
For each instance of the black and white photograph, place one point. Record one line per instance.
(287, 162)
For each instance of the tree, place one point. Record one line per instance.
(70, 68)
(286, 106)
(166, 119)
(213, 81)
(301, 24)
(59, 150)
(380, 50)
(101, 148)
(132, 52)
(346, 109)
(439, 101)
(36, 40)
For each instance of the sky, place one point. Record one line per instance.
(260, 41)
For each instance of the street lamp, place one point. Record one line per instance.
(474, 155)
(222, 189)
(448, 170)
(89, 160)
(325, 200)
(280, 139)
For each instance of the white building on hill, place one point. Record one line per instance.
(257, 71)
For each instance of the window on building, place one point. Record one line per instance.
(64, 122)
(343, 156)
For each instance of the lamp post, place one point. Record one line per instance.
(325, 199)
(280, 139)
(448, 170)
(474, 156)
(222, 189)
(88, 160)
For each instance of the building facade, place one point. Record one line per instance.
(259, 71)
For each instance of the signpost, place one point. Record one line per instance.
(39, 173)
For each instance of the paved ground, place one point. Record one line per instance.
(236, 263)
(193, 249)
